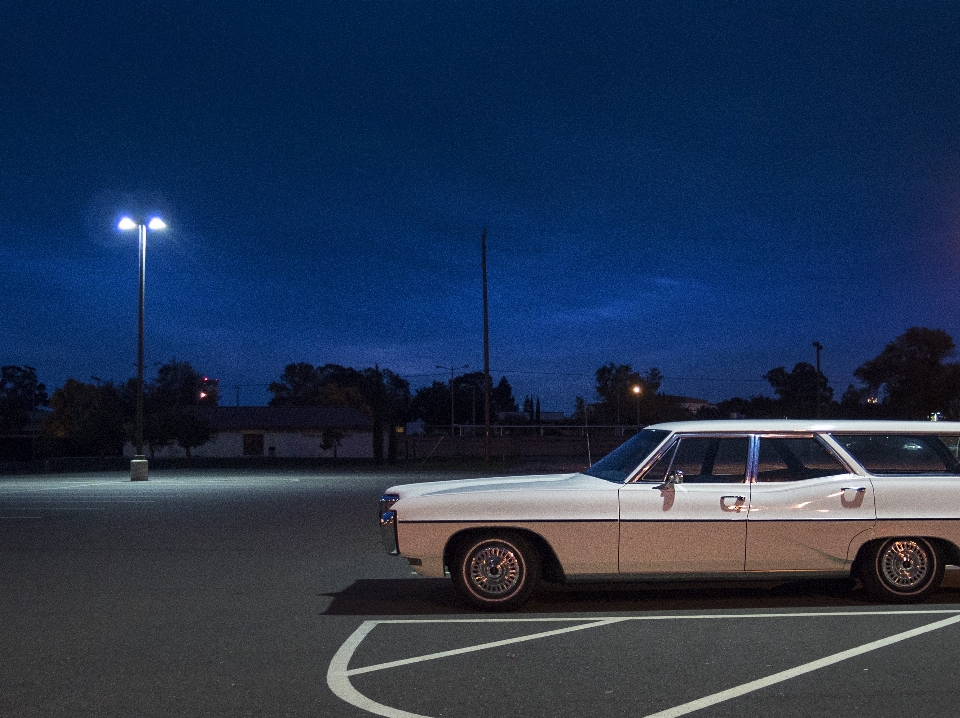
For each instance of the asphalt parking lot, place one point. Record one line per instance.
(267, 594)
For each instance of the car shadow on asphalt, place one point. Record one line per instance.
(433, 597)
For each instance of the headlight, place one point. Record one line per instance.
(387, 501)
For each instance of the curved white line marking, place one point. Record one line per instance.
(338, 673)
(339, 681)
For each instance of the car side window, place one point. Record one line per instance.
(900, 453)
(795, 459)
(953, 445)
(705, 460)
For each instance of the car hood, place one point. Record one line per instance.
(496, 483)
(553, 497)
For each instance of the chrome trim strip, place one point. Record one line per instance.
(682, 580)
(869, 519)
(637, 477)
(388, 532)
(753, 459)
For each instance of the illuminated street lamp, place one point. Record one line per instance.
(637, 389)
(138, 465)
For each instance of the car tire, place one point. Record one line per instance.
(902, 570)
(496, 572)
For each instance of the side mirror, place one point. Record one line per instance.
(674, 477)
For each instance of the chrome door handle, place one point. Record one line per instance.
(858, 489)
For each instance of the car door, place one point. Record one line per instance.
(806, 506)
(695, 522)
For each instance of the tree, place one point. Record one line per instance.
(86, 420)
(797, 390)
(580, 415)
(432, 403)
(299, 385)
(501, 398)
(911, 375)
(528, 408)
(379, 393)
(328, 385)
(618, 401)
(172, 407)
(20, 394)
(757, 407)
(388, 400)
(331, 439)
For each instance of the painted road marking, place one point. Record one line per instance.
(338, 673)
(726, 695)
(482, 646)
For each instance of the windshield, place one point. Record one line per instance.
(620, 463)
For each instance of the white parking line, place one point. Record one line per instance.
(726, 695)
(338, 673)
(54, 486)
(482, 646)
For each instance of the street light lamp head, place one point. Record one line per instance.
(154, 223)
(637, 389)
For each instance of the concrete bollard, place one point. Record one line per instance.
(138, 468)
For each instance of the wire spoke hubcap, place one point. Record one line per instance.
(495, 569)
(905, 565)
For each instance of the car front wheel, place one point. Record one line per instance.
(496, 572)
(902, 570)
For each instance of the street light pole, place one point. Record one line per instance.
(636, 390)
(819, 347)
(138, 465)
(452, 369)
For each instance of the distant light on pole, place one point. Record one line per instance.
(138, 465)
(819, 347)
(637, 389)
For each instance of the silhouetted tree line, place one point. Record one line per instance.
(432, 404)
(628, 397)
(97, 419)
(910, 379)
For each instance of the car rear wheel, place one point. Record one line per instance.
(901, 570)
(496, 572)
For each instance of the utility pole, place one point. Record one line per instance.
(819, 347)
(486, 351)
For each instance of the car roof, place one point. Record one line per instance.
(871, 426)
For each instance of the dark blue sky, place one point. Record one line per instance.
(702, 187)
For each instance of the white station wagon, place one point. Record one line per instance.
(877, 500)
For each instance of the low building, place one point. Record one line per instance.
(291, 431)
(690, 403)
